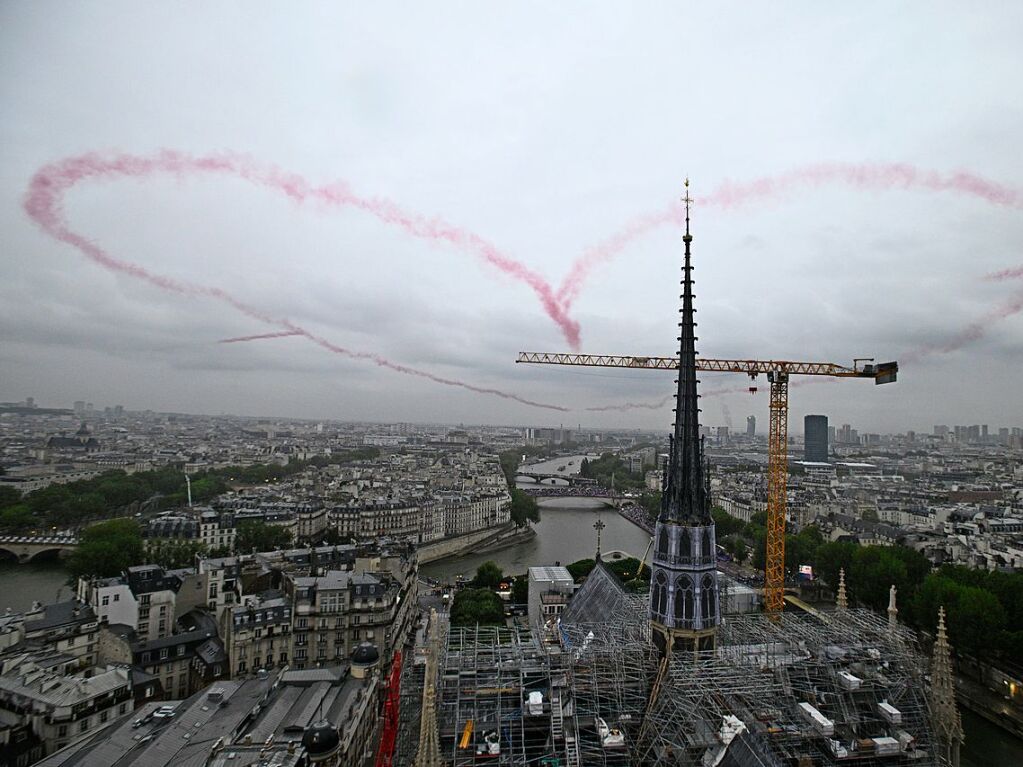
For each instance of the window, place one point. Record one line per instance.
(62, 731)
(164, 653)
(106, 601)
(181, 650)
(103, 715)
(117, 597)
(122, 708)
(144, 599)
(83, 725)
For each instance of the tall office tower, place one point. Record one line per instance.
(815, 438)
(751, 426)
(684, 584)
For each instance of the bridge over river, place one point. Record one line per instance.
(543, 478)
(26, 548)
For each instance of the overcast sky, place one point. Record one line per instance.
(543, 128)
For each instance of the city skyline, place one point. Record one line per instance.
(546, 160)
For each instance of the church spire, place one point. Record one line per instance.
(684, 602)
(685, 498)
(943, 697)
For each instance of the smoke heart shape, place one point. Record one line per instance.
(45, 196)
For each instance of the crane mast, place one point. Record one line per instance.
(778, 373)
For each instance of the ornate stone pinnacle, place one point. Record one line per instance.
(841, 602)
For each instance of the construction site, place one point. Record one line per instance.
(842, 687)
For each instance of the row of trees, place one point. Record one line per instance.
(524, 508)
(479, 603)
(106, 549)
(113, 492)
(984, 609)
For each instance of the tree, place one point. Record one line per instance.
(520, 590)
(107, 549)
(488, 576)
(259, 536)
(832, 557)
(579, 570)
(172, 554)
(524, 508)
(628, 569)
(736, 546)
(725, 524)
(9, 496)
(802, 548)
(16, 518)
(477, 606)
(874, 570)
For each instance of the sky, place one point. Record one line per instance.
(369, 176)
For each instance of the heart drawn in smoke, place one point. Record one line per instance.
(44, 204)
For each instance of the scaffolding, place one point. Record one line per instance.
(810, 688)
(753, 697)
(501, 695)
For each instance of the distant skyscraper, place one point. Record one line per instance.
(751, 426)
(815, 438)
(79, 406)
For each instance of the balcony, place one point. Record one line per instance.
(671, 559)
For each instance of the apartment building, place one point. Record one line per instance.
(62, 708)
(257, 633)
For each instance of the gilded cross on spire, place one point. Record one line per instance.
(688, 201)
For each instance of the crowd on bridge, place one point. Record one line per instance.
(562, 491)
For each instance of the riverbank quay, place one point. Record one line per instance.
(639, 517)
(478, 541)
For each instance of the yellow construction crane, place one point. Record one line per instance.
(777, 372)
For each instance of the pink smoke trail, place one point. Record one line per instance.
(51, 183)
(383, 362)
(662, 403)
(876, 177)
(1012, 273)
(259, 337)
(43, 205)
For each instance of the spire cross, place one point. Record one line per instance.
(685, 194)
(688, 201)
